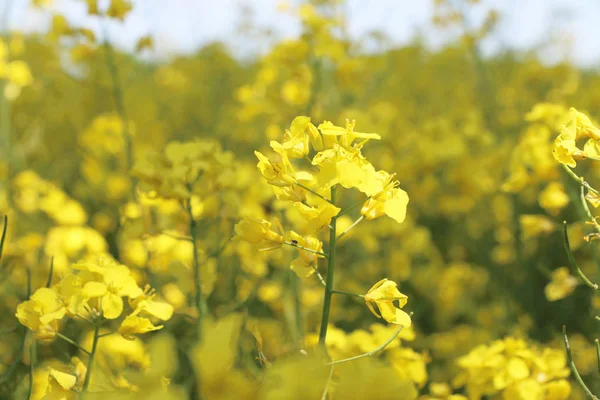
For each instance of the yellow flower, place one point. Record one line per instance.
(119, 9)
(383, 294)
(296, 139)
(133, 325)
(42, 312)
(583, 125)
(319, 217)
(533, 226)
(346, 136)
(110, 282)
(553, 198)
(145, 303)
(347, 167)
(303, 266)
(256, 231)
(277, 173)
(391, 201)
(562, 284)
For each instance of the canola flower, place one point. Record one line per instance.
(135, 194)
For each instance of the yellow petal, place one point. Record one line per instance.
(112, 306)
(94, 289)
(66, 381)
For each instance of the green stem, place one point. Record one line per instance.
(199, 302)
(313, 192)
(92, 354)
(71, 341)
(3, 235)
(348, 293)
(352, 207)
(305, 249)
(351, 226)
(330, 270)
(296, 289)
(49, 280)
(174, 236)
(573, 368)
(32, 359)
(372, 352)
(319, 276)
(579, 179)
(573, 262)
(586, 209)
(598, 353)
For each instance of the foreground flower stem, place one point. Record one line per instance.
(598, 353)
(71, 341)
(351, 226)
(573, 368)
(348, 293)
(573, 262)
(92, 355)
(313, 192)
(330, 270)
(579, 179)
(32, 360)
(372, 352)
(3, 234)
(197, 280)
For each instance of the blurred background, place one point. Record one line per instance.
(467, 95)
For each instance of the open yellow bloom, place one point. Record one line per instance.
(383, 294)
(133, 325)
(111, 282)
(303, 266)
(256, 231)
(346, 136)
(42, 312)
(319, 217)
(277, 173)
(391, 201)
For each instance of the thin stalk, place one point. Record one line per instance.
(71, 341)
(319, 276)
(586, 209)
(330, 275)
(573, 262)
(573, 368)
(324, 395)
(49, 281)
(372, 352)
(32, 359)
(118, 98)
(178, 237)
(3, 238)
(351, 226)
(296, 289)
(598, 353)
(92, 355)
(313, 192)
(199, 303)
(348, 293)
(579, 179)
(353, 206)
(305, 249)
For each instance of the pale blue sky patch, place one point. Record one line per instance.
(557, 28)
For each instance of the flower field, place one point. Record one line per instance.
(326, 220)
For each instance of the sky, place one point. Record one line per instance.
(181, 26)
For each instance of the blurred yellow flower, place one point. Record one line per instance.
(561, 285)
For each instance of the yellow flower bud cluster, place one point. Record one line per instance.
(515, 369)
